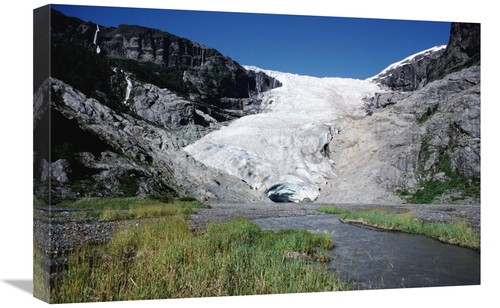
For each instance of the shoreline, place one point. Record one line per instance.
(222, 212)
(56, 236)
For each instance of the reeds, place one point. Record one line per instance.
(126, 208)
(164, 259)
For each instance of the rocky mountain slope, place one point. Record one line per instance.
(132, 110)
(418, 142)
(409, 74)
(416, 71)
(216, 84)
(316, 143)
(434, 155)
(423, 148)
(113, 124)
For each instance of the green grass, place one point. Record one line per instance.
(164, 259)
(429, 190)
(457, 232)
(38, 202)
(125, 208)
(41, 287)
(428, 114)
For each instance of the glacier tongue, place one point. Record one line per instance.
(282, 151)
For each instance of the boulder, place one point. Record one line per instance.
(56, 171)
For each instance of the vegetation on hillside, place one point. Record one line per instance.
(453, 182)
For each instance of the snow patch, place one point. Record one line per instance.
(406, 60)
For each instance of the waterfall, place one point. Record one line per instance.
(98, 49)
(202, 57)
(129, 89)
(257, 83)
(95, 35)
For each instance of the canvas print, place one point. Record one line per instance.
(193, 154)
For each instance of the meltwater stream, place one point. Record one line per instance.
(373, 259)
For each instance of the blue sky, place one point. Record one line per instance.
(307, 45)
(14, 272)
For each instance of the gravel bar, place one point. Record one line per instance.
(425, 212)
(57, 234)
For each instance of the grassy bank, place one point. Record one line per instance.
(457, 232)
(126, 208)
(164, 259)
(41, 277)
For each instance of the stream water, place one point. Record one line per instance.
(372, 259)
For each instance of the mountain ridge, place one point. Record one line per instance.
(414, 72)
(192, 70)
(138, 116)
(398, 76)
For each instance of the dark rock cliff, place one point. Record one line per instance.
(462, 51)
(410, 74)
(120, 105)
(206, 75)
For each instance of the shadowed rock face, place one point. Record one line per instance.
(139, 156)
(131, 42)
(207, 74)
(463, 50)
(135, 92)
(410, 74)
(156, 94)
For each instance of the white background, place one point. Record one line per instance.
(16, 153)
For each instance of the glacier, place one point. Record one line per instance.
(283, 151)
